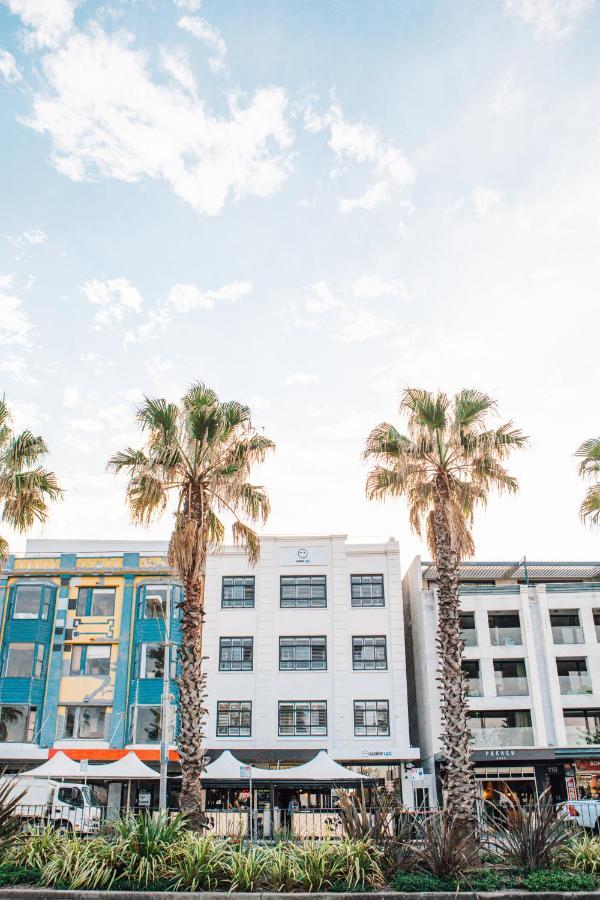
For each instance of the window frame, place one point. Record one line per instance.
(79, 707)
(167, 586)
(303, 637)
(364, 667)
(142, 656)
(298, 602)
(83, 658)
(222, 646)
(29, 721)
(233, 603)
(228, 732)
(38, 659)
(312, 732)
(359, 602)
(367, 733)
(45, 599)
(88, 594)
(133, 723)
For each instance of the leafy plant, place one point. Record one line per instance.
(247, 868)
(36, 847)
(143, 845)
(360, 863)
(583, 854)
(559, 880)
(11, 874)
(10, 797)
(198, 863)
(529, 836)
(419, 882)
(281, 869)
(382, 821)
(81, 864)
(319, 865)
(483, 880)
(444, 846)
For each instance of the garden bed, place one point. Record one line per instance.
(26, 891)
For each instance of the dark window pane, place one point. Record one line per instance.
(367, 590)
(27, 603)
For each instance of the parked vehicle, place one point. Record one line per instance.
(64, 804)
(585, 813)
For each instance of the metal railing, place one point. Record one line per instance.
(512, 686)
(506, 637)
(568, 634)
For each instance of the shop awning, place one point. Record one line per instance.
(58, 766)
(318, 770)
(128, 768)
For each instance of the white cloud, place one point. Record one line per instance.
(158, 366)
(321, 299)
(79, 443)
(26, 414)
(175, 61)
(100, 363)
(131, 395)
(258, 401)
(205, 32)
(107, 118)
(508, 97)
(48, 21)
(357, 142)
(189, 5)
(15, 325)
(300, 378)
(16, 367)
(30, 236)
(157, 323)
(115, 298)
(6, 281)
(372, 287)
(486, 200)
(187, 297)
(71, 397)
(360, 325)
(551, 20)
(9, 70)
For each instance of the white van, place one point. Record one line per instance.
(65, 804)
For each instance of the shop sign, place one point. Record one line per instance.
(417, 774)
(571, 788)
(375, 754)
(144, 798)
(303, 556)
(245, 771)
(500, 754)
(587, 765)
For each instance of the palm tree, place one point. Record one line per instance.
(589, 467)
(202, 450)
(445, 466)
(26, 488)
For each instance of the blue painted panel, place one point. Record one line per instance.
(49, 714)
(22, 690)
(119, 719)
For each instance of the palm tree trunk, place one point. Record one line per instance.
(458, 771)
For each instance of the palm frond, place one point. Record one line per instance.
(471, 408)
(147, 497)
(425, 409)
(589, 451)
(590, 506)
(245, 537)
(24, 449)
(26, 496)
(252, 499)
(215, 530)
(156, 414)
(133, 460)
(383, 483)
(3, 549)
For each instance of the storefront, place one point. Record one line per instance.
(510, 776)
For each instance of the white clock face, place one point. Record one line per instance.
(302, 553)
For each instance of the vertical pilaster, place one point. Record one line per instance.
(118, 734)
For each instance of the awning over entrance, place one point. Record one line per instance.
(58, 766)
(128, 768)
(319, 770)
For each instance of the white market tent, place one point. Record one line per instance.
(128, 768)
(320, 769)
(58, 766)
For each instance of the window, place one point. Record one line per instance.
(566, 628)
(17, 723)
(302, 717)
(151, 660)
(146, 724)
(155, 601)
(300, 591)
(505, 629)
(467, 629)
(597, 623)
(98, 601)
(366, 590)
(90, 659)
(501, 728)
(473, 677)
(371, 717)
(70, 796)
(236, 654)
(234, 718)
(24, 661)
(237, 592)
(31, 601)
(582, 726)
(86, 722)
(369, 652)
(302, 653)
(573, 676)
(511, 677)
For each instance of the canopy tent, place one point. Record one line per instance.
(320, 769)
(58, 766)
(128, 768)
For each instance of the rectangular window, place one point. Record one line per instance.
(28, 604)
(156, 597)
(470, 668)
(146, 724)
(468, 631)
(86, 723)
(302, 653)
(573, 676)
(501, 728)
(98, 601)
(367, 590)
(582, 726)
(505, 629)
(301, 591)
(237, 592)
(371, 717)
(236, 654)
(566, 628)
(302, 717)
(511, 677)
(152, 661)
(17, 723)
(90, 659)
(21, 660)
(369, 652)
(234, 718)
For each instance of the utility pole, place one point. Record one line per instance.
(166, 706)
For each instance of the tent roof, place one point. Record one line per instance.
(322, 768)
(128, 767)
(58, 766)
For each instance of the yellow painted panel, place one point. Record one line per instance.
(75, 688)
(100, 562)
(153, 562)
(36, 564)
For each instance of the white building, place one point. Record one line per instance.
(532, 661)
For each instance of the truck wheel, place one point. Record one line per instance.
(63, 826)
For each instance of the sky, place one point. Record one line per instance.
(309, 205)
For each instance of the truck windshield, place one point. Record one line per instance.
(89, 796)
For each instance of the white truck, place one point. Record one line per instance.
(583, 812)
(65, 804)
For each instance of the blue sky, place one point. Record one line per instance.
(309, 206)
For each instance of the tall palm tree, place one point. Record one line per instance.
(26, 487)
(589, 467)
(202, 450)
(445, 466)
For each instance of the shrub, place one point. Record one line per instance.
(559, 880)
(360, 863)
(583, 854)
(444, 847)
(247, 867)
(318, 865)
(36, 847)
(10, 797)
(529, 836)
(419, 882)
(198, 863)
(382, 822)
(482, 880)
(281, 869)
(81, 863)
(144, 846)
(11, 874)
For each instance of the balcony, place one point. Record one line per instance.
(506, 637)
(568, 634)
(474, 688)
(578, 736)
(469, 637)
(575, 683)
(502, 737)
(511, 686)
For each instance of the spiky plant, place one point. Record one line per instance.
(26, 487)
(589, 469)
(445, 466)
(202, 450)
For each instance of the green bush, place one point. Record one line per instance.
(483, 880)
(583, 854)
(419, 882)
(11, 874)
(559, 880)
